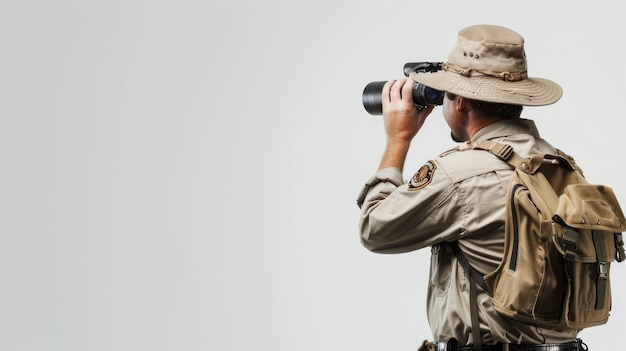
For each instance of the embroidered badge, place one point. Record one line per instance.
(423, 176)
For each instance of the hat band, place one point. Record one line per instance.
(468, 72)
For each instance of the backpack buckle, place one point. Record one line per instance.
(570, 243)
(603, 270)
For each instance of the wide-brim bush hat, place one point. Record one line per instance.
(488, 63)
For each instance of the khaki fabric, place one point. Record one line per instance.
(561, 235)
(489, 63)
(459, 196)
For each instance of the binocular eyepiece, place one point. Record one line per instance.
(422, 95)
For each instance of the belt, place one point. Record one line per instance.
(577, 345)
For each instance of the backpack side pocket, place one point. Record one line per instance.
(586, 220)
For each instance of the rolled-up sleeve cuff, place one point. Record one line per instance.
(387, 175)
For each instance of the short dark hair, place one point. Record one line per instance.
(485, 108)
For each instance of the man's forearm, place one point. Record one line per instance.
(395, 154)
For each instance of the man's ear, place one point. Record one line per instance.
(460, 103)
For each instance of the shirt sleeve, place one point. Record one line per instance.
(399, 217)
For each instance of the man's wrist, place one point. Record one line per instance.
(395, 153)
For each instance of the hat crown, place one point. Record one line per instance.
(488, 63)
(489, 48)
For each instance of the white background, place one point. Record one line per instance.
(182, 175)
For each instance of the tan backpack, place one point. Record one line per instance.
(561, 235)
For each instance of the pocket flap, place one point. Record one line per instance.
(588, 206)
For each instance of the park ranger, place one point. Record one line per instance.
(460, 196)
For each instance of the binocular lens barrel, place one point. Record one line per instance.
(372, 98)
(422, 95)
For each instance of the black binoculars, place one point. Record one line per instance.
(422, 95)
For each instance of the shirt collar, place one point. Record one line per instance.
(506, 128)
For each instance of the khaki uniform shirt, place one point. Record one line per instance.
(456, 196)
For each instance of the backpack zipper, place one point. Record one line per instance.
(514, 253)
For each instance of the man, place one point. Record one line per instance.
(460, 196)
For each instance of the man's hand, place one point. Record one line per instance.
(402, 121)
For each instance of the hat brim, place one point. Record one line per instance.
(527, 92)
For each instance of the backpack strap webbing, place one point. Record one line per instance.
(504, 151)
(470, 272)
(528, 165)
(603, 269)
(570, 243)
(475, 278)
(619, 245)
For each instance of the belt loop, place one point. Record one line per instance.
(505, 346)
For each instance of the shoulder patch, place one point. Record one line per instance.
(423, 176)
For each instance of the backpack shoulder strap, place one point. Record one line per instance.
(526, 164)
(470, 272)
(530, 165)
(506, 153)
(475, 278)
